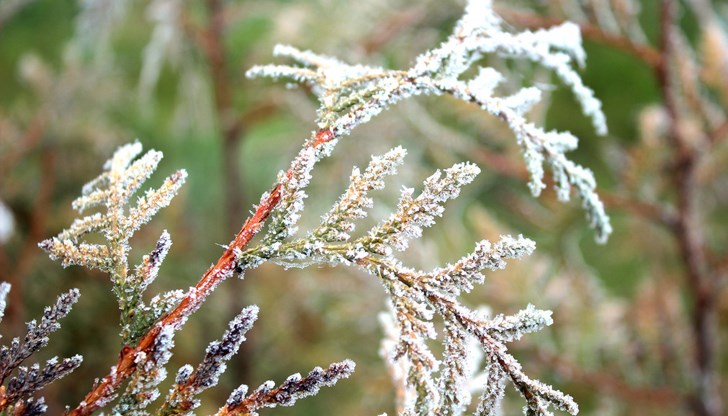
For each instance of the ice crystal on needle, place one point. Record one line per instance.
(4, 290)
(151, 370)
(465, 273)
(285, 216)
(295, 387)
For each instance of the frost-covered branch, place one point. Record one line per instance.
(18, 383)
(111, 192)
(148, 325)
(352, 94)
(338, 222)
(295, 387)
(189, 383)
(429, 385)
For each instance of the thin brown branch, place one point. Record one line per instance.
(719, 133)
(647, 210)
(14, 315)
(384, 32)
(209, 40)
(688, 232)
(26, 144)
(508, 167)
(224, 268)
(645, 53)
(214, 52)
(608, 383)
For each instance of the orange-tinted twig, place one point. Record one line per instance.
(610, 384)
(688, 231)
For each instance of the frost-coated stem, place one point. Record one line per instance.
(224, 268)
(295, 387)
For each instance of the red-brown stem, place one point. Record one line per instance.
(230, 124)
(15, 274)
(26, 144)
(609, 384)
(125, 366)
(210, 41)
(688, 232)
(382, 33)
(719, 133)
(15, 312)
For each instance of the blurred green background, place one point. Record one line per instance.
(79, 78)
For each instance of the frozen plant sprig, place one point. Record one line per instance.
(292, 184)
(149, 336)
(295, 387)
(110, 193)
(189, 383)
(123, 176)
(37, 334)
(18, 383)
(428, 385)
(415, 213)
(352, 94)
(150, 372)
(339, 221)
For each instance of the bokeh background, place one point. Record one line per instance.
(79, 78)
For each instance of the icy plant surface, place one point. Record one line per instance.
(19, 383)
(350, 95)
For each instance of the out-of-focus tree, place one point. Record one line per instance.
(640, 318)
